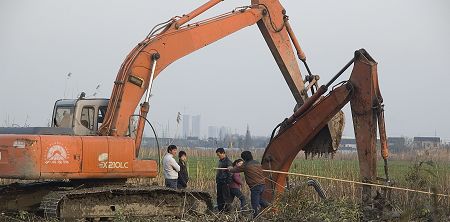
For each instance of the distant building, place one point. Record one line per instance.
(192, 138)
(248, 139)
(151, 142)
(396, 144)
(186, 126)
(427, 142)
(195, 126)
(347, 145)
(230, 141)
(446, 143)
(213, 132)
(223, 132)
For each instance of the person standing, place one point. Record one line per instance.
(171, 167)
(183, 176)
(254, 177)
(236, 184)
(223, 180)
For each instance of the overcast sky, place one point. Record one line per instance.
(233, 82)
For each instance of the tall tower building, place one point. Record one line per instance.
(248, 139)
(213, 132)
(222, 133)
(196, 126)
(186, 126)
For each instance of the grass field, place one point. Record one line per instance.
(425, 171)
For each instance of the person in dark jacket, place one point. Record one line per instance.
(254, 177)
(223, 180)
(183, 176)
(236, 184)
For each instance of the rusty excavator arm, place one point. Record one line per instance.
(147, 60)
(175, 39)
(363, 93)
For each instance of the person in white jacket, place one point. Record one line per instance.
(171, 167)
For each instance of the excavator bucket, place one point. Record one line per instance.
(329, 137)
(336, 127)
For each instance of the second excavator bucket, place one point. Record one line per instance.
(328, 139)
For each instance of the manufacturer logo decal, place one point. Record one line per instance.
(103, 157)
(57, 154)
(105, 164)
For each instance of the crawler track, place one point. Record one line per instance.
(71, 201)
(112, 201)
(27, 196)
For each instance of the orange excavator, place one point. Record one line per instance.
(90, 149)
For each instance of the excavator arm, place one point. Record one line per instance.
(363, 93)
(176, 39)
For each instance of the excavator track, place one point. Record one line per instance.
(113, 201)
(27, 196)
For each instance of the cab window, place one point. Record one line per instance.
(87, 117)
(101, 115)
(63, 117)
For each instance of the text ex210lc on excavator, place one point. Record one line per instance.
(88, 151)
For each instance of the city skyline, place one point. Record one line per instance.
(208, 128)
(192, 127)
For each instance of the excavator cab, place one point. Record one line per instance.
(83, 116)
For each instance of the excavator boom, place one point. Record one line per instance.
(134, 75)
(176, 41)
(149, 58)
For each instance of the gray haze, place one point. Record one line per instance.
(235, 81)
